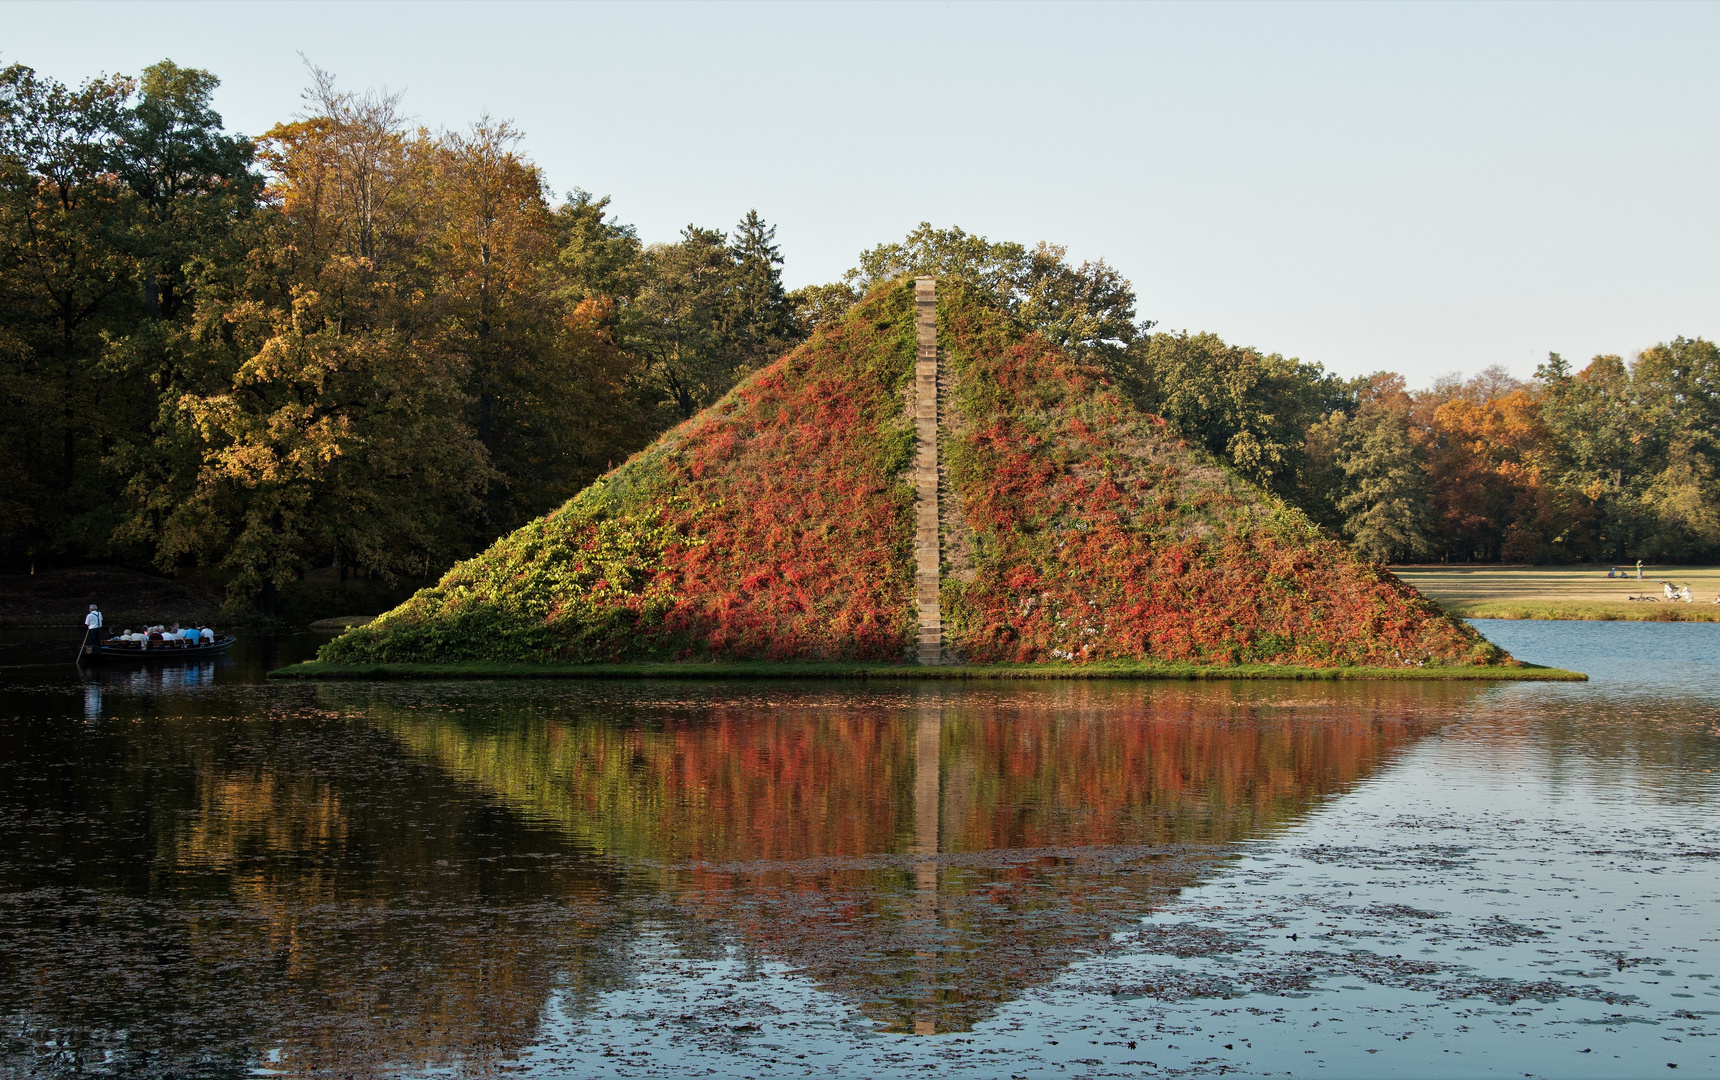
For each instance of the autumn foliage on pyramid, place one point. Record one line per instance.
(778, 524)
(775, 524)
(1094, 533)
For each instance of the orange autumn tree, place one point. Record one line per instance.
(392, 371)
(336, 429)
(1485, 458)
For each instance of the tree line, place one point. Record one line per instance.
(355, 342)
(1612, 462)
(349, 342)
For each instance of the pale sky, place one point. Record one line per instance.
(1422, 188)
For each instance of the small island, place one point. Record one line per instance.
(924, 489)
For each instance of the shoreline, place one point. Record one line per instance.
(1561, 593)
(1554, 611)
(758, 669)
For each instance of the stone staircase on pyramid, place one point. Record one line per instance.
(927, 550)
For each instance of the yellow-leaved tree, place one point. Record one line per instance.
(336, 427)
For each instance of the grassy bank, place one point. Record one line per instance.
(1586, 593)
(750, 669)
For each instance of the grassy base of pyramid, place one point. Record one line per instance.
(773, 534)
(908, 671)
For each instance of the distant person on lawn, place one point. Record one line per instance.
(1639, 569)
(93, 626)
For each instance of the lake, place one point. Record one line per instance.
(204, 874)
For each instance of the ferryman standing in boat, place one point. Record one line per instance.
(93, 626)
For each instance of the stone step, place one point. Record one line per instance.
(928, 474)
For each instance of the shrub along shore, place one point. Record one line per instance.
(842, 669)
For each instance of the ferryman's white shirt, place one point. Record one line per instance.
(93, 620)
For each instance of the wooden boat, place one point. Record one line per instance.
(157, 652)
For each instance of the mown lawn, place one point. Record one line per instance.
(1528, 592)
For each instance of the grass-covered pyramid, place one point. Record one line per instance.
(778, 524)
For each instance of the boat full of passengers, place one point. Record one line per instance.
(171, 642)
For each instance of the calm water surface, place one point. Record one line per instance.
(202, 874)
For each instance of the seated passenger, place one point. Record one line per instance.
(190, 635)
(206, 635)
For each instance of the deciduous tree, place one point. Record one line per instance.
(1249, 409)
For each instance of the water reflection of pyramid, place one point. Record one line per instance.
(305, 896)
(924, 472)
(928, 863)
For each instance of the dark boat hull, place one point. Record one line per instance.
(159, 654)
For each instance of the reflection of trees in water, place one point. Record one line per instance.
(928, 894)
(1663, 744)
(194, 893)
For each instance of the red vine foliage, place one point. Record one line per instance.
(1099, 536)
